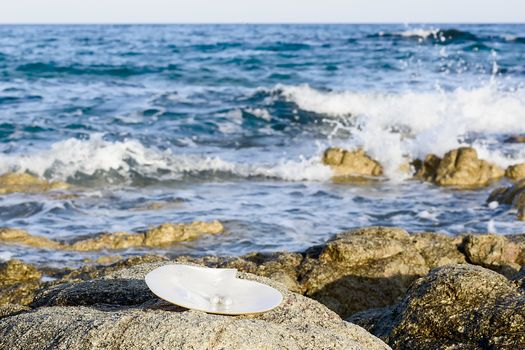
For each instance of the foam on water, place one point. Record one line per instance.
(393, 126)
(66, 159)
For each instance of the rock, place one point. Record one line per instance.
(351, 163)
(163, 235)
(15, 236)
(513, 195)
(372, 267)
(118, 311)
(515, 139)
(454, 307)
(516, 171)
(494, 252)
(24, 182)
(18, 282)
(460, 167)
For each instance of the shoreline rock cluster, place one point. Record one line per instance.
(404, 288)
(160, 236)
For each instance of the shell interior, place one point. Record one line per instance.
(211, 290)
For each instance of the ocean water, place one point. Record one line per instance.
(176, 123)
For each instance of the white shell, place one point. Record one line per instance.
(211, 290)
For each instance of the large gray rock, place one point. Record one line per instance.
(119, 312)
(454, 307)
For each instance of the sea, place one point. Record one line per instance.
(177, 123)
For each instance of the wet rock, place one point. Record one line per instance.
(24, 182)
(372, 267)
(454, 307)
(515, 139)
(460, 168)
(516, 171)
(351, 163)
(118, 311)
(163, 235)
(15, 236)
(18, 282)
(512, 195)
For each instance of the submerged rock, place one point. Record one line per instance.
(159, 236)
(515, 139)
(24, 182)
(454, 307)
(120, 312)
(516, 171)
(347, 164)
(18, 282)
(460, 167)
(512, 195)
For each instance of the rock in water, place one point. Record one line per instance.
(454, 307)
(460, 167)
(23, 182)
(351, 163)
(120, 312)
(159, 236)
(513, 195)
(516, 171)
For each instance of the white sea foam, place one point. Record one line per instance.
(419, 32)
(430, 122)
(67, 158)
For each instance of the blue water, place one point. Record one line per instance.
(228, 122)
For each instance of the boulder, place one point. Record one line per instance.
(516, 171)
(24, 182)
(512, 195)
(453, 307)
(348, 164)
(459, 167)
(515, 139)
(119, 311)
(372, 267)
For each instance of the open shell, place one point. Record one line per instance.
(211, 290)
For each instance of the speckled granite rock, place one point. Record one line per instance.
(118, 311)
(454, 307)
(18, 282)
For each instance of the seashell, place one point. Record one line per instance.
(211, 290)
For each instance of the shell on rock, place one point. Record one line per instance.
(211, 290)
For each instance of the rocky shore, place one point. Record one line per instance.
(413, 291)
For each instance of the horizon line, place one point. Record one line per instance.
(261, 23)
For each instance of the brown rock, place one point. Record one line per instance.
(372, 267)
(18, 282)
(351, 163)
(516, 139)
(162, 235)
(24, 182)
(454, 307)
(460, 167)
(516, 171)
(513, 195)
(494, 252)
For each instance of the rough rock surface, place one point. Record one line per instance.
(160, 236)
(23, 182)
(454, 307)
(372, 267)
(516, 171)
(351, 163)
(18, 282)
(459, 167)
(119, 312)
(513, 195)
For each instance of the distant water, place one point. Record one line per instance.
(228, 122)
